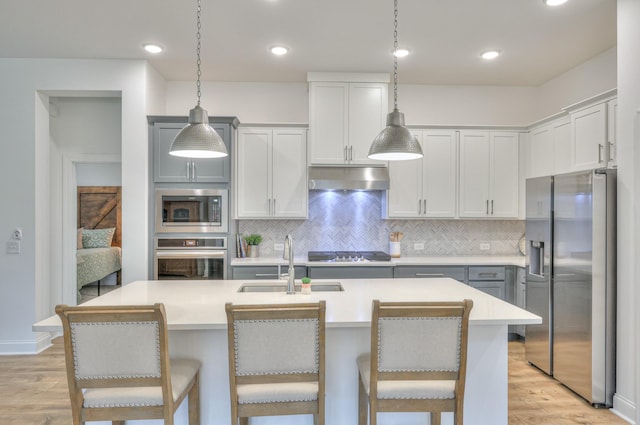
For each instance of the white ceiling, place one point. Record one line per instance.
(446, 37)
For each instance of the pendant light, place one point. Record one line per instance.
(198, 139)
(395, 142)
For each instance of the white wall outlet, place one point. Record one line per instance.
(278, 247)
(17, 233)
(485, 246)
(13, 247)
(418, 246)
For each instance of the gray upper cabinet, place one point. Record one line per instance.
(171, 169)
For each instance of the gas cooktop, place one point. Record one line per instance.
(348, 256)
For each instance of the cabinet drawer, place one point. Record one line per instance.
(486, 273)
(351, 272)
(264, 272)
(453, 272)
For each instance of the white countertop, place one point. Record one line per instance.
(192, 305)
(470, 260)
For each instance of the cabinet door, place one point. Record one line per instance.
(503, 201)
(495, 288)
(440, 173)
(562, 146)
(328, 122)
(214, 170)
(289, 173)
(168, 168)
(541, 158)
(404, 196)
(474, 174)
(589, 137)
(254, 180)
(368, 107)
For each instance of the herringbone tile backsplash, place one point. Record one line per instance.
(351, 221)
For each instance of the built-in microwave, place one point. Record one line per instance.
(192, 210)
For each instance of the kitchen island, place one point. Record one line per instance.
(197, 327)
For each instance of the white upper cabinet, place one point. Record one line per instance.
(549, 150)
(589, 129)
(344, 118)
(427, 187)
(488, 174)
(271, 173)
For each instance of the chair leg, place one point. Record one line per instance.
(362, 403)
(435, 418)
(194, 401)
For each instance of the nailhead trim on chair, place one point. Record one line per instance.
(317, 347)
(75, 326)
(381, 319)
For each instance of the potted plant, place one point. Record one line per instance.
(252, 242)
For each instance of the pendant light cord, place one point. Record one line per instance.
(395, 57)
(198, 51)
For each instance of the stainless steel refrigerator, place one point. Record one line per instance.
(571, 280)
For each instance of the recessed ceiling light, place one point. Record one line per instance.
(554, 2)
(279, 50)
(152, 48)
(400, 53)
(490, 54)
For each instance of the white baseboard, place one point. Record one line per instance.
(41, 342)
(624, 408)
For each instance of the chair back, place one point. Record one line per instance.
(115, 346)
(276, 343)
(419, 340)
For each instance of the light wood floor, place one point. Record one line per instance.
(33, 391)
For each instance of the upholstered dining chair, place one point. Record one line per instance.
(276, 360)
(417, 361)
(118, 365)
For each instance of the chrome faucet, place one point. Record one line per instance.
(291, 273)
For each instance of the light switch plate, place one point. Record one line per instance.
(278, 247)
(418, 246)
(13, 247)
(485, 246)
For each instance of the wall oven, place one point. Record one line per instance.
(192, 210)
(179, 258)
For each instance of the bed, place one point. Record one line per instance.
(99, 251)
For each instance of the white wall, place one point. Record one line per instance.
(593, 77)
(156, 89)
(91, 174)
(26, 85)
(628, 139)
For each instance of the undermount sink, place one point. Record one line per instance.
(281, 286)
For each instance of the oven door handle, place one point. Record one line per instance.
(187, 253)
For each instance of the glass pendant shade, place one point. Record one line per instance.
(395, 142)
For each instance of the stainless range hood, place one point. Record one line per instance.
(348, 178)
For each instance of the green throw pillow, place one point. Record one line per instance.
(97, 238)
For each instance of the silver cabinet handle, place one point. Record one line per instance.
(611, 147)
(195, 175)
(269, 201)
(600, 147)
(430, 274)
(188, 170)
(274, 206)
(266, 275)
(487, 207)
(492, 207)
(419, 206)
(424, 209)
(346, 158)
(350, 153)
(488, 274)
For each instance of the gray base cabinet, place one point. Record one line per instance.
(454, 272)
(489, 279)
(350, 272)
(264, 272)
